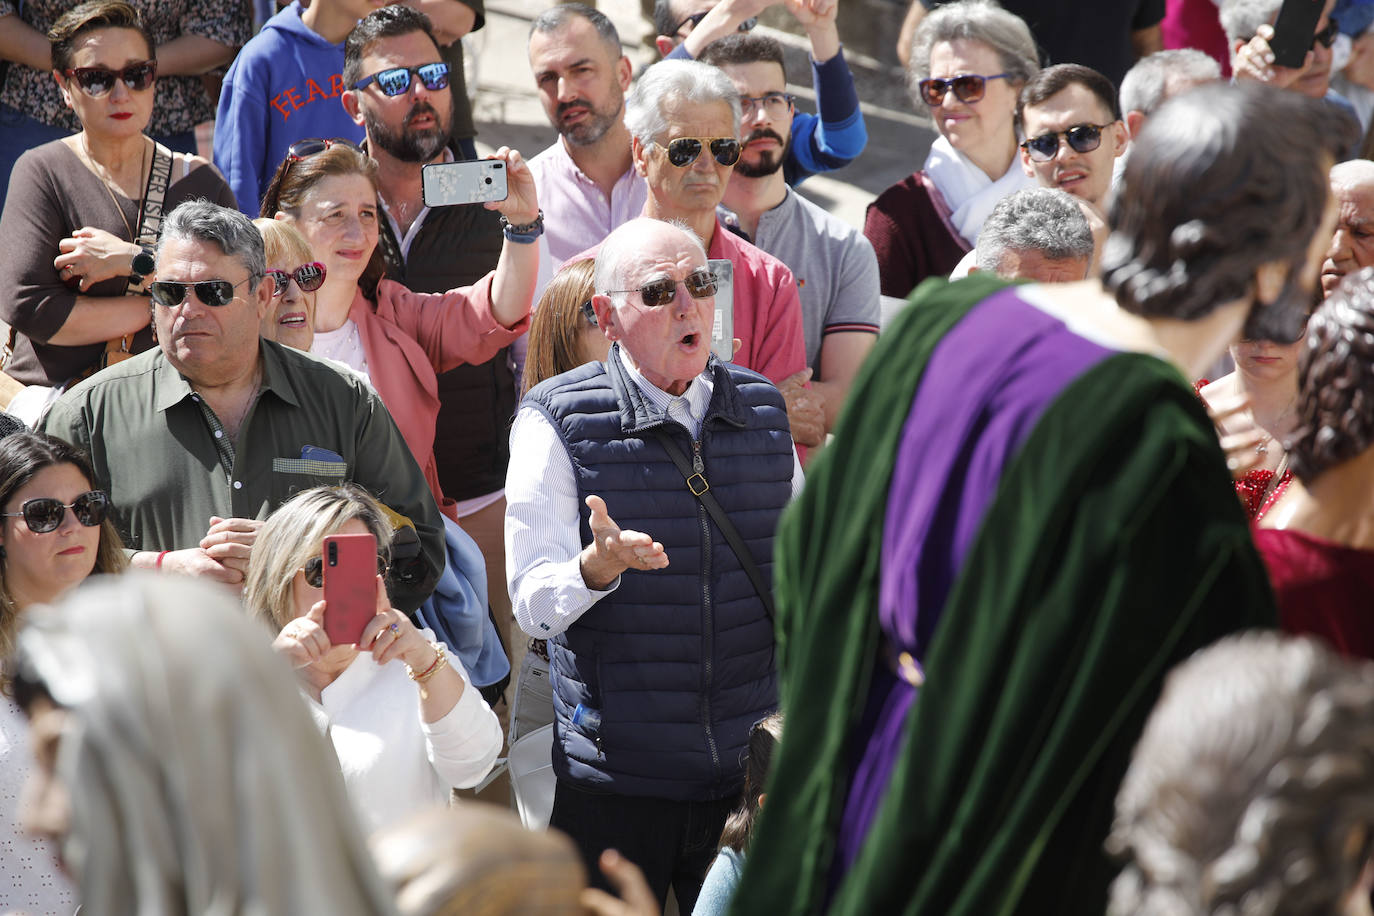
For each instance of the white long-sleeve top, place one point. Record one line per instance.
(543, 543)
(394, 763)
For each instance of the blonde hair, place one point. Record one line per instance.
(292, 535)
(555, 336)
(283, 243)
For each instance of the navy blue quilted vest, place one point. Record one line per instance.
(676, 663)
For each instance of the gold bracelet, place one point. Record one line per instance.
(440, 660)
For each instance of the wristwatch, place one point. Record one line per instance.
(143, 265)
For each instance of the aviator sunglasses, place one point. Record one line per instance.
(314, 570)
(98, 81)
(45, 513)
(213, 293)
(683, 151)
(700, 283)
(967, 88)
(396, 80)
(309, 277)
(1082, 138)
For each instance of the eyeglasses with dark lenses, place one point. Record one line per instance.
(746, 25)
(1083, 138)
(314, 570)
(774, 104)
(967, 88)
(304, 149)
(45, 514)
(700, 284)
(97, 81)
(589, 313)
(396, 80)
(1327, 36)
(683, 151)
(213, 293)
(309, 277)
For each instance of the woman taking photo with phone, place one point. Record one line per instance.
(405, 721)
(83, 212)
(53, 535)
(399, 339)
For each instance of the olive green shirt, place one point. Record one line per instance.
(157, 449)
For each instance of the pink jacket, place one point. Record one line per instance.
(410, 337)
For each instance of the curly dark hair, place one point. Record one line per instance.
(1252, 788)
(1336, 380)
(1223, 179)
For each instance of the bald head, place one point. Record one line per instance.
(1352, 246)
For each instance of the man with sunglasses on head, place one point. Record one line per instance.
(284, 86)
(656, 611)
(684, 120)
(215, 427)
(836, 269)
(829, 140)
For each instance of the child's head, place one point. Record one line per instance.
(763, 741)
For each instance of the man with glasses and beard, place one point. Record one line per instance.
(216, 426)
(836, 270)
(1026, 520)
(399, 93)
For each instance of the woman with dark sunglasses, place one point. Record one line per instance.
(77, 227)
(400, 339)
(401, 711)
(969, 60)
(296, 275)
(53, 535)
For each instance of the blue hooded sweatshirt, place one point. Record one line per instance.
(285, 85)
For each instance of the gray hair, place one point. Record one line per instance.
(1252, 776)
(1157, 77)
(558, 16)
(687, 80)
(1241, 19)
(1046, 220)
(626, 240)
(974, 20)
(201, 221)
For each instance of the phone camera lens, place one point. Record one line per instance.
(488, 181)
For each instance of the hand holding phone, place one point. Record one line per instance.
(1293, 31)
(349, 566)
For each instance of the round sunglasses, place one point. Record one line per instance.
(45, 513)
(309, 277)
(1082, 138)
(98, 81)
(700, 284)
(214, 293)
(396, 81)
(314, 570)
(683, 151)
(967, 88)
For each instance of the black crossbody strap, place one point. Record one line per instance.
(702, 491)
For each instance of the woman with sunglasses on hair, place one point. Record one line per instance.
(969, 60)
(400, 710)
(82, 213)
(53, 535)
(400, 339)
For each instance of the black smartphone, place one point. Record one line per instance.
(1293, 31)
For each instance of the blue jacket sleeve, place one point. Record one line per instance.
(837, 136)
(241, 134)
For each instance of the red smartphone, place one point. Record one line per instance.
(350, 585)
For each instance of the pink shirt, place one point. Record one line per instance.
(577, 215)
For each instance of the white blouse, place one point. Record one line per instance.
(30, 881)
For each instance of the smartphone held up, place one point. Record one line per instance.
(475, 181)
(349, 568)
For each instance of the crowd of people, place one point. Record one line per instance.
(1088, 399)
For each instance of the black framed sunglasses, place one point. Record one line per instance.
(396, 80)
(45, 513)
(214, 293)
(304, 149)
(695, 20)
(683, 151)
(1082, 138)
(98, 81)
(700, 284)
(309, 277)
(1327, 36)
(967, 88)
(314, 570)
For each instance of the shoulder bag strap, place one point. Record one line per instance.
(696, 482)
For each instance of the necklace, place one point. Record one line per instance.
(103, 174)
(1262, 447)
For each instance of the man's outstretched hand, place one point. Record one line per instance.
(614, 550)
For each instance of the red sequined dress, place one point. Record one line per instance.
(1261, 488)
